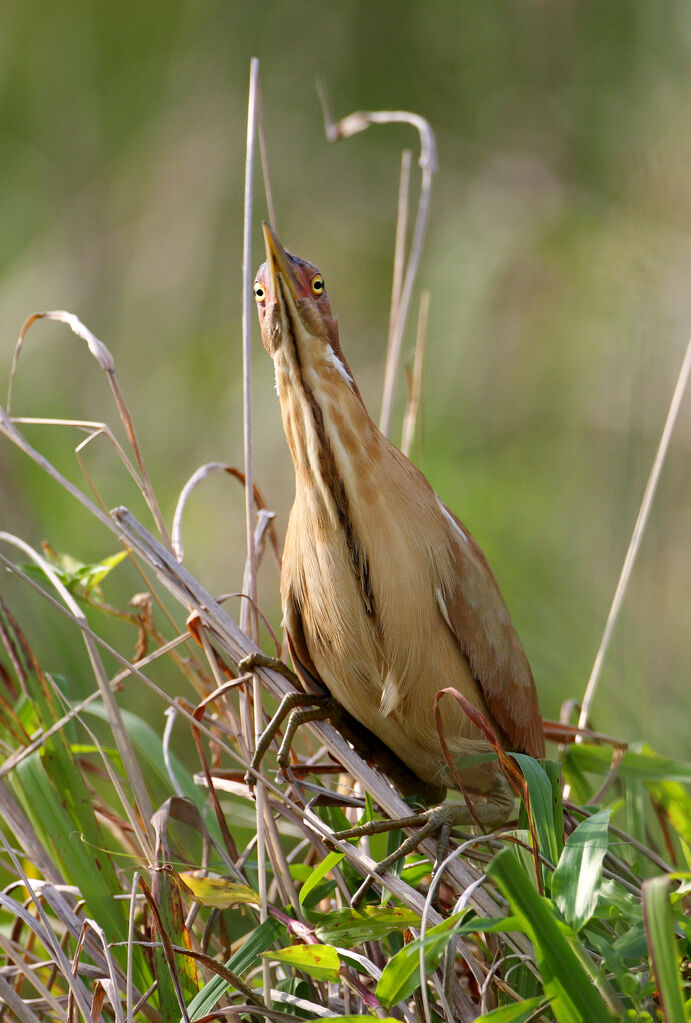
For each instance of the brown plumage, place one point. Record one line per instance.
(387, 598)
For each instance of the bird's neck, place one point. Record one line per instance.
(331, 437)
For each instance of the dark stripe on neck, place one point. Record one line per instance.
(330, 474)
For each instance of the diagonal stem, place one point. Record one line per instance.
(636, 536)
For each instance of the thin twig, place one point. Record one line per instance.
(248, 615)
(636, 536)
(410, 417)
(399, 251)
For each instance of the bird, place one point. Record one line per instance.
(386, 596)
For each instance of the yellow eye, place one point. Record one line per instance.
(317, 284)
(259, 292)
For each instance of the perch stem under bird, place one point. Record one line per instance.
(386, 596)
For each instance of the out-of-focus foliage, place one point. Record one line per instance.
(558, 260)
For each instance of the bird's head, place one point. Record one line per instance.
(291, 300)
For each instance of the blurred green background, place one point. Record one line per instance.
(558, 259)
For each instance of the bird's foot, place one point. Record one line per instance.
(260, 660)
(490, 812)
(297, 707)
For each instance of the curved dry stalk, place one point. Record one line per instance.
(106, 362)
(352, 125)
(264, 515)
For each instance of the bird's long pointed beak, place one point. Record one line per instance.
(278, 262)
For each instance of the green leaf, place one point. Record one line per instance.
(349, 927)
(79, 578)
(566, 982)
(217, 891)
(659, 927)
(319, 872)
(642, 764)
(516, 1013)
(241, 961)
(576, 881)
(401, 975)
(545, 805)
(319, 961)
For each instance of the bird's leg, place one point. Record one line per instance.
(492, 811)
(298, 707)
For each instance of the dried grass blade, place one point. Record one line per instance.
(106, 362)
(637, 535)
(411, 412)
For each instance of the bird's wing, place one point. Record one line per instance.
(302, 659)
(366, 743)
(476, 614)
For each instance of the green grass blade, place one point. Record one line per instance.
(574, 998)
(659, 929)
(246, 956)
(545, 805)
(319, 961)
(319, 872)
(519, 1012)
(401, 974)
(348, 927)
(576, 881)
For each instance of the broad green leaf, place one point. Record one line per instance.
(319, 872)
(576, 881)
(642, 764)
(241, 961)
(566, 982)
(401, 975)
(319, 961)
(217, 891)
(545, 805)
(659, 927)
(349, 927)
(516, 1013)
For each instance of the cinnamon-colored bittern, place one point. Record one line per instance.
(387, 598)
